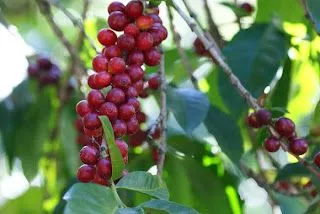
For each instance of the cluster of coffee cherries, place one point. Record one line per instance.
(43, 70)
(247, 7)
(118, 81)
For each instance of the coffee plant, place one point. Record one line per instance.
(160, 106)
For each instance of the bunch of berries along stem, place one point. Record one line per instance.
(118, 70)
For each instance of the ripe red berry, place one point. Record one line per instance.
(144, 22)
(123, 147)
(132, 92)
(33, 70)
(83, 139)
(154, 81)
(96, 133)
(126, 111)
(272, 144)
(252, 121)
(135, 58)
(298, 146)
(89, 155)
(98, 180)
(131, 29)
(263, 116)
(83, 108)
(152, 57)
(110, 110)
(285, 127)
(111, 51)
(137, 139)
(44, 63)
(86, 173)
(116, 6)
(119, 128)
(247, 7)
(126, 42)
(135, 103)
(135, 72)
(155, 18)
(91, 82)
(139, 86)
(104, 168)
(155, 155)
(95, 98)
(99, 80)
(156, 134)
(116, 96)
(141, 117)
(116, 65)
(107, 37)
(78, 124)
(134, 9)
(144, 93)
(316, 159)
(199, 47)
(91, 121)
(117, 21)
(144, 41)
(132, 126)
(100, 63)
(122, 81)
(159, 33)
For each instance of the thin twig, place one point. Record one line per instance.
(80, 40)
(238, 17)
(182, 53)
(191, 13)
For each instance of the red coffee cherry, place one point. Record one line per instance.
(116, 65)
(135, 72)
(83, 108)
(132, 92)
(122, 81)
(99, 80)
(91, 82)
(107, 37)
(138, 86)
(154, 81)
(89, 155)
(247, 7)
(126, 111)
(144, 22)
(86, 173)
(96, 133)
(155, 155)
(126, 42)
(199, 47)
(272, 144)
(144, 41)
(83, 139)
(156, 134)
(78, 124)
(111, 51)
(44, 63)
(100, 63)
(116, 6)
(104, 168)
(285, 127)
(152, 57)
(110, 110)
(91, 121)
(123, 147)
(95, 98)
(131, 29)
(101, 181)
(135, 58)
(141, 117)
(137, 139)
(252, 121)
(116, 96)
(132, 125)
(119, 128)
(144, 93)
(117, 21)
(155, 18)
(316, 159)
(134, 9)
(159, 33)
(263, 116)
(298, 146)
(33, 70)
(135, 103)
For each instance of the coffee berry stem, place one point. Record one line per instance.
(116, 195)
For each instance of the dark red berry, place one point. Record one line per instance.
(111, 51)
(285, 127)
(156, 134)
(141, 117)
(316, 159)
(107, 37)
(100, 63)
(135, 72)
(86, 173)
(78, 124)
(123, 147)
(96, 133)
(116, 65)
(126, 111)
(33, 70)
(131, 29)
(199, 47)
(144, 93)
(89, 155)
(83, 108)
(122, 81)
(152, 57)
(104, 168)
(137, 139)
(116, 6)
(91, 121)
(95, 98)
(263, 116)
(135, 58)
(110, 110)
(144, 22)
(252, 121)
(117, 21)
(98, 180)
(272, 144)
(91, 82)
(144, 41)
(155, 18)
(135, 103)
(83, 139)
(298, 146)
(132, 92)
(139, 86)
(102, 79)
(134, 9)
(159, 33)
(44, 63)
(132, 126)
(119, 128)
(126, 42)
(116, 96)
(154, 81)
(247, 7)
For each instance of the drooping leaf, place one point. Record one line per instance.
(291, 205)
(292, 169)
(89, 198)
(189, 107)
(168, 206)
(115, 154)
(313, 9)
(144, 182)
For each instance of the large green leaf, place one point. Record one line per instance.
(226, 131)
(291, 170)
(89, 199)
(189, 107)
(291, 205)
(130, 211)
(115, 154)
(168, 206)
(146, 183)
(313, 9)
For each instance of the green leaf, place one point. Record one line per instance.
(130, 211)
(115, 154)
(146, 183)
(236, 9)
(314, 207)
(292, 169)
(291, 205)
(168, 206)
(226, 131)
(90, 199)
(189, 107)
(313, 9)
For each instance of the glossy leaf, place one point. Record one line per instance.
(129, 211)
(168, 206)
(292, 169)
(313, 9)
(291, 205)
